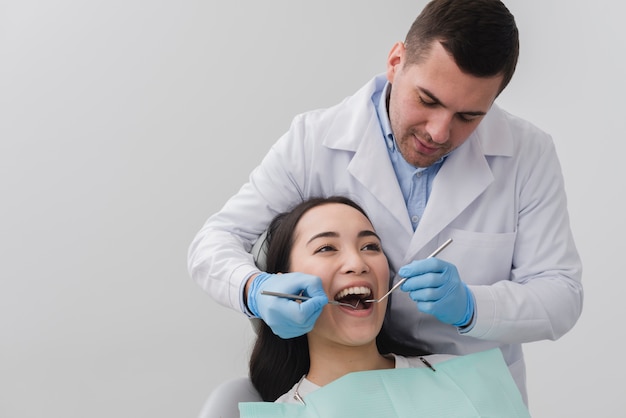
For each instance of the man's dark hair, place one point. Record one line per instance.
(481, 36)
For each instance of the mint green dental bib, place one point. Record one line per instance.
(474, 385)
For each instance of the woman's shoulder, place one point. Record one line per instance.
(299, 390)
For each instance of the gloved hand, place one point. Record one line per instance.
(438, 290)
(287, 318)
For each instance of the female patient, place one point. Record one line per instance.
(333, 238)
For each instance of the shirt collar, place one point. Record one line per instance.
(383, 117)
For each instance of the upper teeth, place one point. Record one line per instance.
(356, 290)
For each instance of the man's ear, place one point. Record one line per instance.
(395, 60)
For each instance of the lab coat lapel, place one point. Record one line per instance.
(467, 167)
(372, 167)
(357, 129)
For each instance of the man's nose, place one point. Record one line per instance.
(439, 126)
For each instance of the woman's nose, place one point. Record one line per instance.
(355, 263)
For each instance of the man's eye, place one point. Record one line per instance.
(467, 119)
(426, 103)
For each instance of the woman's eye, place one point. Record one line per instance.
(325, 249)
(372, 247)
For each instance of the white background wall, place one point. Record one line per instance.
(125, 123)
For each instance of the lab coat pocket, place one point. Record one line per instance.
(481, 258)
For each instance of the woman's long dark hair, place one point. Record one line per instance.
(276, 364)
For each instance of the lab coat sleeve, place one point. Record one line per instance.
(219, 258)
(543, 297)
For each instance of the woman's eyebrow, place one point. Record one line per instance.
(332, 234)
(368, 233)
(323, 235)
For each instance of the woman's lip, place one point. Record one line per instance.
(358, 312)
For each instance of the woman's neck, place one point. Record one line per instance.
(329, 363)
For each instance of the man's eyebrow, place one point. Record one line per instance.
(430, 95)
(436, 100)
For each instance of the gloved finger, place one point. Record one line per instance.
(316, 303)
(424, 288)
(310, 310)
(426, 295)
(296, 311)
(418, 267)
(278, 310)
(427, 307)
(296, 318)
(423, 281)
(297, 284)
(281, 317)
(314, 290)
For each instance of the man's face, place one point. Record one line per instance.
(434, 106)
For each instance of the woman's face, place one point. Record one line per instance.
(337, 243)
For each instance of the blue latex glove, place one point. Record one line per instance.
(438, 290)
(287, 318)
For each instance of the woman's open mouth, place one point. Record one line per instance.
(355, 296)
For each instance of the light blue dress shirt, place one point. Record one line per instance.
(415, 183)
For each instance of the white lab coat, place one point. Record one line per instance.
(500, 196)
